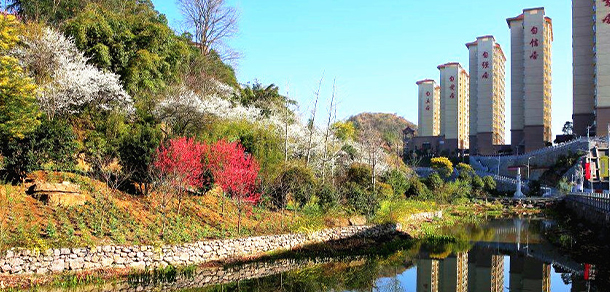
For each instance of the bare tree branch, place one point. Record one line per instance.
(212, 21)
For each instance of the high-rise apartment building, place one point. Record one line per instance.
(531, 39)
(487, 95)
(455, 116)
(591, 66)
(429, 118)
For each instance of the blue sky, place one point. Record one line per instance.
(377, 50)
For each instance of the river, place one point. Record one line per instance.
(496, 255)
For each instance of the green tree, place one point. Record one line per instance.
(434, 182)
(134, 42)
(398, 180)
(359, 174)
(490, 184)
(137, 151)
(49, 11)
(442, 165)
(297, 181)
(52, 145)
(267, 98)
(345, 131)
(19, 113)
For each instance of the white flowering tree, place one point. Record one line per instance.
(68, 84)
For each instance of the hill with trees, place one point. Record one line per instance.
(385, 125)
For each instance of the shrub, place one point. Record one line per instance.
(384, 191)
(443, 165)
(52, 144)
(296, 180)
(466, 168)
(359, 174)
(360, 200)
(477, 183)
(434, 182)
(327, 195)
(137, 151)
(418, 190)
(490, 184)
(398, 180)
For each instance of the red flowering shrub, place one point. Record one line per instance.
(186, 161)
(234, 170)
(181, 160)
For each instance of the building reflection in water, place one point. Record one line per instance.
(482, 268)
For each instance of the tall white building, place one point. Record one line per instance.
(487, 95)
(591, 61)
(531, 39)
(429, 120)
(455, 116)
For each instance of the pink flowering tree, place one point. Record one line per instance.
(179, 164)
(235, 171)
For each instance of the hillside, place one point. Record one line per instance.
(114, 217)
(388, 126)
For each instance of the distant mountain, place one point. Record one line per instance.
(388, 126)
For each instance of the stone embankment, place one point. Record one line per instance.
(21, 261)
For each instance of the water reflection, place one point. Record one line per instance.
(501, 255)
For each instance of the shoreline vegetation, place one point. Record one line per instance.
(424, 232)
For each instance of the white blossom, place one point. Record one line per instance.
(68, 84)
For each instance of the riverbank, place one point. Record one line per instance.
(91, 265)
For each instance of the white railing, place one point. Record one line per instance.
(546, 149)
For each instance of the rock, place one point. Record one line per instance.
(57, 266)
(9, 254)
(107, 262)
(64, 251)
(63, 194)
(138, 265)
(118, 259)
(357, 221)
(76, 264)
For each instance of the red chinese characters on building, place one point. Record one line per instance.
(606, 20)
(428, 108)
(534, 43)
(427, 93)
(452, 87)
(485, 65)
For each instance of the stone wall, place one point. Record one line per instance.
(20, 261)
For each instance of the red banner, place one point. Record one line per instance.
(587, 171)
(587, 267)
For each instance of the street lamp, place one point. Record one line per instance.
(528, 167)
